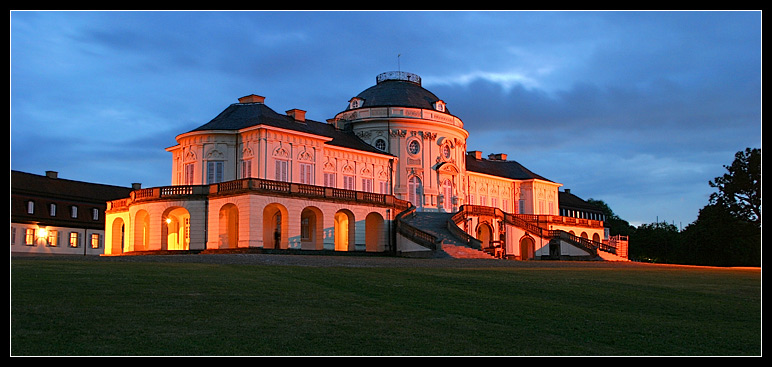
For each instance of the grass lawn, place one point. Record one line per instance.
(104, 308)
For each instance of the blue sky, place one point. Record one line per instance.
(639, 109)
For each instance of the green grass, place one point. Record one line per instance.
(108, 308)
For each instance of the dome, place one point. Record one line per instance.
(397, 88)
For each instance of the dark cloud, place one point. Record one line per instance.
(639, 108)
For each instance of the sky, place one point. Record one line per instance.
(639, 109)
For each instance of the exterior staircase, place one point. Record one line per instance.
(450, 245)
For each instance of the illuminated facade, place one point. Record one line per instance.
(361, 181)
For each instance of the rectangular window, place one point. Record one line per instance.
(470, 200)
(73, 211)
(521, 206)
(367, 184)
(495, 202)
(282, 171)
(483, 200)
(214, 173)
(505, 206)
(95, 214)
(73, 239)
(53, 238)
(329, 179)
(348, 183)
(52, 210)
(29, 236)
(384, 187)
(246, 168)
(95, 240)
(190, 171)
(307, 173)
(30, 207)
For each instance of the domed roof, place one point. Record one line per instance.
(400, 89)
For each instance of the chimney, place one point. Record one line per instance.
(252, 98)
(567, 191)
(475, 153)
(497, 157)
(52, 174)
(136, 186)
(298, 115)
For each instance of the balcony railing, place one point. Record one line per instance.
(256, 185)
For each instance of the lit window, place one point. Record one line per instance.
(53, 238)
(95, 240)
(73, 239)
(29, 236)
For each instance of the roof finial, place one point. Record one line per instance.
(398, 67)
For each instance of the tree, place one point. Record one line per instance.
(739, 190)
(615, 224)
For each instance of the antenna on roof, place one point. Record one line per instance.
(398, 67)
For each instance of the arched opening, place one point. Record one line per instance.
(275, 226)
(596, 237)
(415, 191)
(175, 229)
(485, 234)
(344, 230)
(118, 236)
(584, 235)
(141, 231)
(311, 229)
(229, 226)
(527, 248)
(375, 239)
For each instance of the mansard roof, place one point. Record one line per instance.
(502, 168)
(243, 115)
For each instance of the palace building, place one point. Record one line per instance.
(391, 174)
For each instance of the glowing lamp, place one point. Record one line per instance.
(42, 233)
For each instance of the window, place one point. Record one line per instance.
(73, 239)
(447, 193)
(189, 173)
(282, 171)
(246, 168)
(95, 240)
(521, 206)
(329, 179)
(307, 173)
(95, 214)
(380, 144)
(414, 147)
(348, 183)
(53, 238)
(414, 191)
(30, 207)
(52, 210)
(384, 186)
(446, 151)
(483, 200)
(494, 202)
(214, 173)
(29, 236)
(367, 184)
(505, 206)
(73, 211)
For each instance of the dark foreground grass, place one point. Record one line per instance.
(100, 308)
